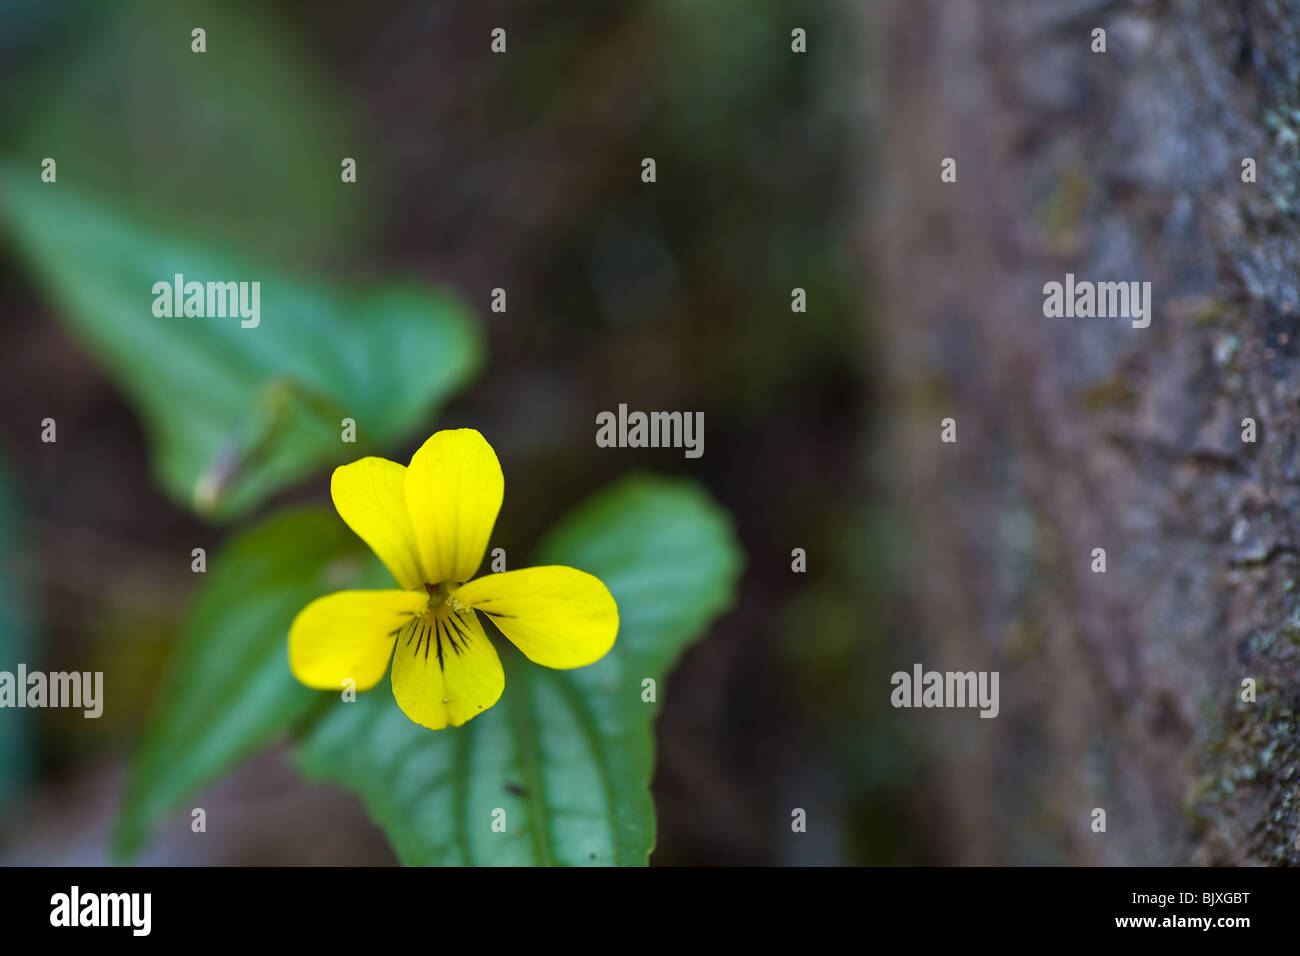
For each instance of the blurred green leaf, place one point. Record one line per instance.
(230, 690)
(567, 754)
(243, 142)
(235, 413)
(15, 758)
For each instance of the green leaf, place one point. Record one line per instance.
(236, 413)
(568, 755)
(230, 691)
(15, 638)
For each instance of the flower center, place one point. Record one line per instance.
(441, 603)
(437, 628)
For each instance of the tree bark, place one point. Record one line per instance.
(1120, 690)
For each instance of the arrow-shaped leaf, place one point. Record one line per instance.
(235, 412)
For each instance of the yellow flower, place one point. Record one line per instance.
(429, 523)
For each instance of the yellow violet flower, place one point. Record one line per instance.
(429, 523)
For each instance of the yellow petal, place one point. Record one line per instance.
(445, 670)
(349, 635)
(559, 617)
(454, 488)
(370, 496)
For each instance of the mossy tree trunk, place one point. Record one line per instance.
(1121, 690)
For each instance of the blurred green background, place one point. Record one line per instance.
(475, 171)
